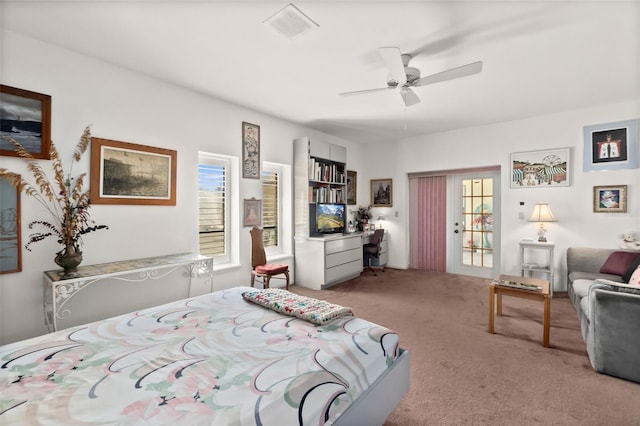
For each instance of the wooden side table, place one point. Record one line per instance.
(497, 291)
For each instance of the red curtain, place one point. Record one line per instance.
(428, 222)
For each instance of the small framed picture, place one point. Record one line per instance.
(611, 146)
(250, 151)
(381, 192)
(610, 199)
(352, 186)
(252, 212)
(26, 118)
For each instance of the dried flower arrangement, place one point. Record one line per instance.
(68, 204)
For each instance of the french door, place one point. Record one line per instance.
(474, 237)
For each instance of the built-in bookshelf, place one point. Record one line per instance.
(320, 170)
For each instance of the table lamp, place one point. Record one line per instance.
(542, 213)
(380, 219)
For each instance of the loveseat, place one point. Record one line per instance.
(608, 309)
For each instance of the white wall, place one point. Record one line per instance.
(577, 224)
(126, 106)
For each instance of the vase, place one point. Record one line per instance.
(69, 259)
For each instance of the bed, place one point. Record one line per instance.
(211, 359)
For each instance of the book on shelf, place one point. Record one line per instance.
(516, 284)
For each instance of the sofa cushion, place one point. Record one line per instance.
(618, 262)
(578, 275)
(581, 287)
(630, 270)
(635, 277)
(584, 309)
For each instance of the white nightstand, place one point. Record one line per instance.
(531, 263)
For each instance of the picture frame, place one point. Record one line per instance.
(252, 212)
(26, 119)
(250, 151)
(610, 199)
(545, 168)
(132, 174)
(381, 192)
(611, 146)
(10, 228)
(352, 186)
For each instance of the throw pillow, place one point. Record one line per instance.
(632, 268)
(635, 277)
(618, 262)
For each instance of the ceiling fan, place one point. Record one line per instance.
(402, 77)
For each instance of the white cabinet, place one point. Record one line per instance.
(322, 262)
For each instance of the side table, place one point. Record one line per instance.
(546, 268)
(497, 291)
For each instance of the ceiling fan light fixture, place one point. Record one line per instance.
(290, 22)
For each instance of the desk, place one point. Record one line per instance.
(59, 289)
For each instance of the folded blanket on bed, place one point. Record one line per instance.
(307, 308)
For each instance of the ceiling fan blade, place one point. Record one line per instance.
(462, 71)
(409, 97)
(393, 60)
(362, 92)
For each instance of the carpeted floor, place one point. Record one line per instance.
(462, 375)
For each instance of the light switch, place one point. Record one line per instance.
(521, 215)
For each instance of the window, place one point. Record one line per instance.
(214, 206)
(271, 177)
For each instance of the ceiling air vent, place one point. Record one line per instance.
(290, 22)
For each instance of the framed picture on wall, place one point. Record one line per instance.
(540, 169)
(127, 173)
(250, 151)
(611, 146)
(10, 245)
(381, 193)
(252, 215)
(352, 186)
(26, 118)
(610, 199)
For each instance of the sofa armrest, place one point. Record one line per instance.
(613, 338)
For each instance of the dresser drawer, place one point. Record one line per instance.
(342, 244)
(344, 270)
(335, 259)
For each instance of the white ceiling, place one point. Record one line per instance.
(539, 57)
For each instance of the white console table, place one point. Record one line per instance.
(59, 288)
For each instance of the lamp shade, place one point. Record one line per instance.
(542, 213)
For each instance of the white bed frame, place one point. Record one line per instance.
(378, 401)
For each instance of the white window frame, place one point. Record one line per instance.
(231, 233)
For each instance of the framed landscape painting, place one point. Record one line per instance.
(127, 173)
(540, 169)
(26, 118)
(611, 146)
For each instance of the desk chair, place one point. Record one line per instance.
(259, 266)
(372, 249)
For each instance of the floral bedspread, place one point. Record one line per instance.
(213, 359)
